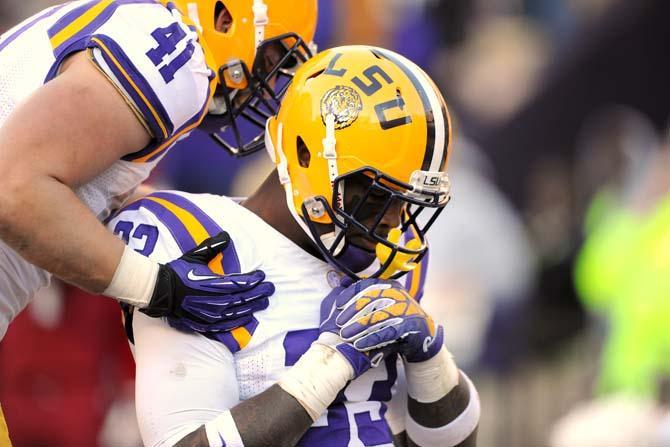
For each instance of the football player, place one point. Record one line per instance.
(361, 144)
(92, 96)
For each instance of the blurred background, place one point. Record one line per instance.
(550, 267)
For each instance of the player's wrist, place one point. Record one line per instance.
(423, 346)
(430, 380)
(316, 379)
(462, 421)
(161, 302)
(134, 280)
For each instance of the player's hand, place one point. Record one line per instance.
(195, 298)
(332, 307)
(385, 313)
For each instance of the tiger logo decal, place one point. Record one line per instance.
(344, 103)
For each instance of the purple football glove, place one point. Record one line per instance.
(194, 298)
(385, 313)
(339, 299)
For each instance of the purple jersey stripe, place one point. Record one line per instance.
(70, 17)
(142, 84)
(177, 229)
(87, 31)
(73, 15)
(231, 263)
(45, 14)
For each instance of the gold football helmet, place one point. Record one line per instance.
(361, 143)
(256, 44)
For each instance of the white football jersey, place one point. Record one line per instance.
(154, 60)
(185, 380)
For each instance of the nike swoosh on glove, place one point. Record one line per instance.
(339, 299)
(194, 298)
(385, 313)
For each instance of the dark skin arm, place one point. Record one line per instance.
(283, 420)
(438, 414)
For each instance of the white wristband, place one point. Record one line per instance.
(431, 380)
(134, 279)
(454, 432)
(316, 378)
(222, 432)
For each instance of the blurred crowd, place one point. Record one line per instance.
(550, 268)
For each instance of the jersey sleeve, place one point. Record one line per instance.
(166, 224)
(142, 227)
(152, 58)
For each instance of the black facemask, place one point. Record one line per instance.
(360, 219)
(240, 129)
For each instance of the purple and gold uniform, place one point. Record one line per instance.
(185, 380)
(155, 61)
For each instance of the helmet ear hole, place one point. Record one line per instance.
(304, 155)
(223, 20)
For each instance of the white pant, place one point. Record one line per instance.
(183, 381)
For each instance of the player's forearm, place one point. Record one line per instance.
(443, 405)
(274, 418)
(440, 414)
(46, 223)
(284, 425)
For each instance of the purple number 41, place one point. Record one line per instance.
(168, 38)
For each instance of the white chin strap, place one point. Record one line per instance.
(282, 171)
(330, 154)
(261, 20)
(192, 13)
